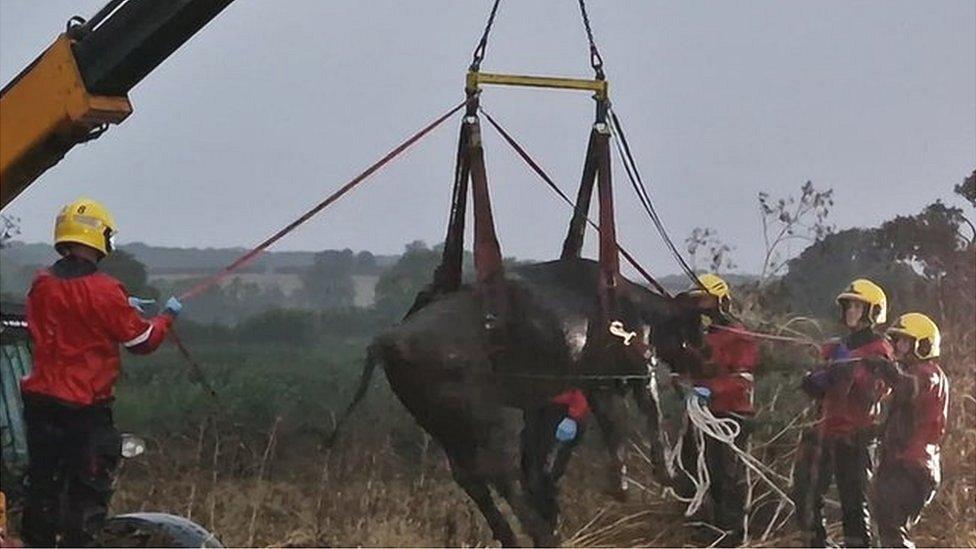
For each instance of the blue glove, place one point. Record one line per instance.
(816, 383)
(704, 394)
(840, 352)
(137, 303)
(566, 430)
(173, 307)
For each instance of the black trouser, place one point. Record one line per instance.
(822, 459)
(74, 453)
(727, 475)
(898, 495)
(544, 459)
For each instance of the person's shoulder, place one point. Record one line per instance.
(878, 345)
(42, 274)
(931, 369)
(106, 282)
(42, 279)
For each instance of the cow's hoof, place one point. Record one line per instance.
(619, 492)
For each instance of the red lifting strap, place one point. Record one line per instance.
(245, 259)
(570, 246)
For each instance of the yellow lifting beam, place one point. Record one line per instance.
(477, 79)
(45, 111)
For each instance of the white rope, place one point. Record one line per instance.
(724, 430)
(701, 479)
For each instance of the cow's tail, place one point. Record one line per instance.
(372, 359)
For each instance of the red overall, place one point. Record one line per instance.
(840, 447)
(726, 367)
(732, 362)
(77, 318)
(910, 469)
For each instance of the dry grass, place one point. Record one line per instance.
(949, 521)
(382, 488)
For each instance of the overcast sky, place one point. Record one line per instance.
(275, 104)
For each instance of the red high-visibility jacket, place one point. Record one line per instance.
(77, 317)
(915, 428)
(735, 356)
(853, 402)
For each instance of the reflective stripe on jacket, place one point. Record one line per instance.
(77, 319)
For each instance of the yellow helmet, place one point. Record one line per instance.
(869, 293)
(87, 222)
(713, 285)
(920, 328)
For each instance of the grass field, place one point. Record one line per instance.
(253, 467)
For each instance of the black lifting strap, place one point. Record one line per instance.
(447, 277)
(469, 172)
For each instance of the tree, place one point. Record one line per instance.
(328, 284)
(9, 228)
(967, 189)
(822, 270)
(398, 286)
(366, 263)
(936, 243)
(131, 272)
(788, 219)
(706, 240)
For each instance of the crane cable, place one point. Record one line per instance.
(524, 155)
(596, 60)
(637, 183)
(479, 51)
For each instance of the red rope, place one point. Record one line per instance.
(243, 260)
(770, 337)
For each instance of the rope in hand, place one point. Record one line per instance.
(806, 341)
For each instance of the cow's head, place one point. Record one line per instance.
(677, 325)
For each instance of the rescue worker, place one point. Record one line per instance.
(721, 374)
(77, 319)
(841, 445)
(909, 470)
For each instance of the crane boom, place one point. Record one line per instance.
(79, 86)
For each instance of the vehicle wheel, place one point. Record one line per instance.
(154, 530)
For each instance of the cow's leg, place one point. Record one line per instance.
(476, 486)
(610, 410)
(649, 405)
(522, 505)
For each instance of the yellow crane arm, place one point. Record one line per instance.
(80, 84)
(45, 111)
